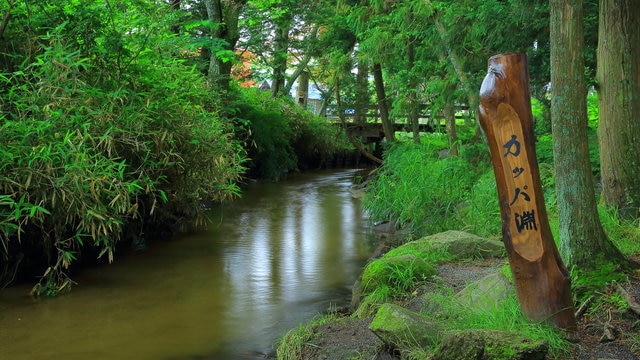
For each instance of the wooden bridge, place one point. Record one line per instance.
(371, 129)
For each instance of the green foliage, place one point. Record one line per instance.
(427, 252)
(544, 149)
(105, 131)
(281, 136)
(506, 316)
(592, 110)
(372, 302)
(317, 140)
(544, 143)
(625, 234)
(480, 213)
(417, 189)
(541, 118)
(586, 283)
(398, 273)
(597, 290)
(268, 135)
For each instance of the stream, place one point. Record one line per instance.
(281, 254)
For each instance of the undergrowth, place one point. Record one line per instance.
(505, 316)
(290, 345)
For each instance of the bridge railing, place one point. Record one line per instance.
(371, 114)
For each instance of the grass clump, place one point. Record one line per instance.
(417, 189)
(624, 233)
(398, 273)
(505, 316)
(289, 347)
(479, 213)
(424, 251)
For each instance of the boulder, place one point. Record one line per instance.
(463, 245)
(487, 293)
(404, 329)
(489, 345)
(452, 245)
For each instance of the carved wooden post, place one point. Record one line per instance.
(541, 279)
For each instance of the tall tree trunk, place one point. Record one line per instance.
(582, 239)
(5, 19)
(280, 53)
(449, 110)
(224, 13)
(619, 105)
(175, 5)
(362, 91)
(472, 96)
(383, 103)
(302, 93)
(302, 64)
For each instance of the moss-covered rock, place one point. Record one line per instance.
(487, 293)
(404, 329)
(452, 245)
(463, 245)
(489, 345)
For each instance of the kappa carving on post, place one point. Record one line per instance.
(541, 279)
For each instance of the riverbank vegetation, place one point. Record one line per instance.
(424, 193)
(111, 135)
(412, 190)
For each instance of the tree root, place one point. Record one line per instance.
(585, 305)
(631, 301)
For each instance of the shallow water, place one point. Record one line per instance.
(281, 254)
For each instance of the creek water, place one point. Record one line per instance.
(276, 257)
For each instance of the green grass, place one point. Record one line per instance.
(419, 190)
(625, 234)
(289, 347)
(505, 316)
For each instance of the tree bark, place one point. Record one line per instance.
(472, 97)
(449, 112)
(303, 63)
(302, 93)
(362, 91)
(225, 15)
(583, 241)
(541, 279)
(5, 20)
(618, 78)
(383, 104)
(280, 53)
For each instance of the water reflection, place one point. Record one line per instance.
(283, 253)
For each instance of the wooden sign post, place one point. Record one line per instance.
(541, 279)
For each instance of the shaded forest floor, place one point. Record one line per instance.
(604, 332)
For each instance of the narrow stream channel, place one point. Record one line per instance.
(278, 256)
